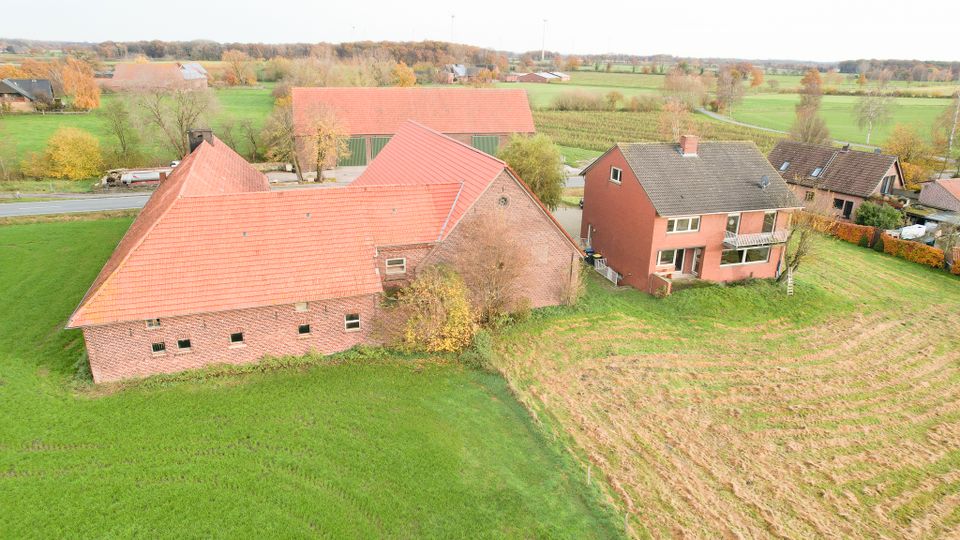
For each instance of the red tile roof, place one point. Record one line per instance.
(150, 74)
(381, 111)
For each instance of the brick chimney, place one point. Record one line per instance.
(197, 136)
(688, 145)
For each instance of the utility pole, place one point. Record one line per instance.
(543, 44)
(452, 17)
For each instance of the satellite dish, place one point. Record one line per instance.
(764, 181)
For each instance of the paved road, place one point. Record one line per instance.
(70, 206)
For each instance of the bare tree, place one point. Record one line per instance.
(173, 112)
(329, 140)
(945, 131)
(729, 88)
(808, 127)
(279, 137)
(873, 109)
(689, 89)
(799, 247)
(122, 126)
(675, 120)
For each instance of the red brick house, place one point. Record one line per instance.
(835, 181)
(25, 95)
(481, 117)
(219, 269)
(657, 212)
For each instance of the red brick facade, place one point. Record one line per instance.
(124, 350)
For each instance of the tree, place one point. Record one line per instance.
(799, 247)
(808, 127)
(945, 132)
(71, 153)
(811, 90)
(403, 76)
(882, 216)
(573, 63)
(873, 110)
(329, 142)
(79, 83)
(239, 68)
(729, 88)
(756, 77)
(539, 163)
(613, 98)
(279, 137)
(493, 264)
(906, 143)
(675, 120)
(120, 124)
(690, 89)
(173, 112)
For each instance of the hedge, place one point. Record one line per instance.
(848, 232)
(913, 251)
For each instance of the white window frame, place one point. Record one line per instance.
(673, 260)
(348, 320)
(764, 222)
(241, 343)
(689, 228)
(743, 257)
(817, 171)
(886, 185)
(153, 324)
(309, 329)
(184, 349)
(396, 269)
(785, 166)
(160, 352)
(301, 307)
(739, 219)
(619, 178)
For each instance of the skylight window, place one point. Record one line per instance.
(784, 166)
(816, 172)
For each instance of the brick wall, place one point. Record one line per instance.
(123, 350)
(554, 259)
(414, 255)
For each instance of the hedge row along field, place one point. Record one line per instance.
(600, 130)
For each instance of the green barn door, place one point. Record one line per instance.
(486, 143)
(377, 144)
(358, 153)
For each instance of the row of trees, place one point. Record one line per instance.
(70, 76)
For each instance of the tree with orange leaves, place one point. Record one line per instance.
(239, 68)
(403, 76)
(78, 82)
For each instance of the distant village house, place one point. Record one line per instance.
(25, 95)
(152, 76)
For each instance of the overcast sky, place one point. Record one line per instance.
(819, 30)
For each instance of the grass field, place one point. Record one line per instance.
(542, 96)
(726, 412)
(339, 448)
(598, 131)
(778, 111)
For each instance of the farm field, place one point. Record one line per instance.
(542, 95)
(777, 111)
(598, 131)
(739, 412)
(356, 446)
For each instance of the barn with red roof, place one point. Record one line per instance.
(480, 117)
(217, 268)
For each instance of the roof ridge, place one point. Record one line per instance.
(465, 145)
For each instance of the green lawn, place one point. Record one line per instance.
(778, 111)
(341, 448)
(542, 95)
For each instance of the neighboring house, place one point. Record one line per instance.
(543, 77)
(713, 210)
(24, 95)
(219, 269)
(152, 76)
(835, 181)
(939, 202)
(484, 118)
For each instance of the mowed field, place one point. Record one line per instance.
(737, 412)
(356, 446)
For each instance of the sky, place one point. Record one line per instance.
(817, 30)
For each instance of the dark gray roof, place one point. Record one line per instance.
(32, 89)
(722, 177)
(850, 172)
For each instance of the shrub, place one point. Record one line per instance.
(864, 242)
(71, 153)
(644, 104)
(956, 268)
(539, 163)
(480, 353)
(880, 215)
(432, 314)
(579, 101)
(878, 245)
(848, 232)
(913, 251)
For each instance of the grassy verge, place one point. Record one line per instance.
(48, 186)
(378, 446)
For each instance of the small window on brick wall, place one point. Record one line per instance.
(153, 323)
(236, 338)
(183, 344)
(303, 329)
(159, 347)
(396, 266)
(351, 321)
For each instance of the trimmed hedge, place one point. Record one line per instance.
(848, 232)
(913, 251)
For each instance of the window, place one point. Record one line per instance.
(733, 223)
(687, 224)
(396, 266)
(159, 348)
(816, 172)
(887, 184)
(503, 201)
(301, 306)
(615, 175)
(667, 256)
(153, 323)
(744, 256)
(236, 338)
(769, 221)
(784, 166)
(183, 344)
(351, 321)
(809, 195)
(303, 329)
(838, 204)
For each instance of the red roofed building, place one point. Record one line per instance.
(153, 76)
(219, 269)
(481, 117)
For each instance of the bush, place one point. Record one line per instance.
(848, 232)
(539, 163)
(480, 353)
(864, 242)
(71, 153)
(882, 216)
(913, 251)
(579, 101)
(878, 245)
(644, 104)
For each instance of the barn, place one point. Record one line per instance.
(480, 117)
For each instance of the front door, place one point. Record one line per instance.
(697, 264)
(678, 263)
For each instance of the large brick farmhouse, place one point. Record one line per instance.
(134, 76)
(835, 180)
(658, 212)
(481, 117)
(219, 269)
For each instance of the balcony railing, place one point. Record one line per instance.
(739, 241)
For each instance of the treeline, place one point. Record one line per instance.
(904, 70)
